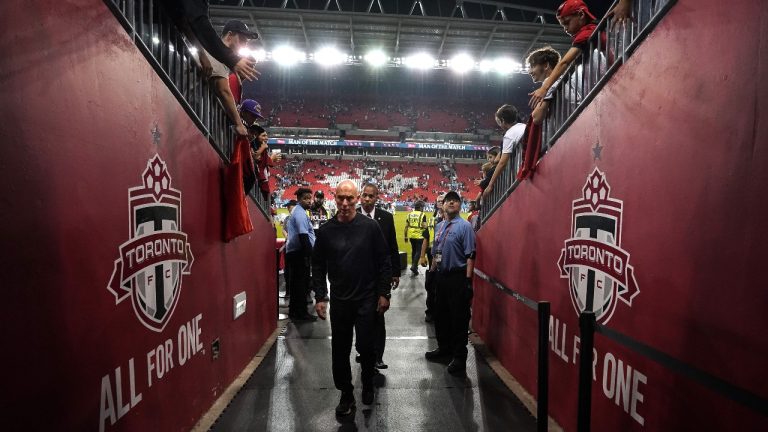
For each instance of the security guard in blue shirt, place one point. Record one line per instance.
(453, 255)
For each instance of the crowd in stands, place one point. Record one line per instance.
(402, 183)
(382, 113)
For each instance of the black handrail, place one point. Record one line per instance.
(582, 81)
(588, 327)
(166, 50)
(543, 313)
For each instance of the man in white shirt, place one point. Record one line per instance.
(508, 119)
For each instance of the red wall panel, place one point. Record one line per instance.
(682, 128)
(79, 105)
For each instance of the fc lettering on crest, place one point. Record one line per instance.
(151, 263)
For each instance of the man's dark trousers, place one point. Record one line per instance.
(453, 301)
(415, 253)
(345, 316)
(298, 269)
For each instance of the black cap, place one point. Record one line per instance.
(452, 194)
(293, 203)
(237, 26)
(319, 194)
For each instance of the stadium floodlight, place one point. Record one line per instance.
(504, 65)
(419, 61)
(329, 56)
(485, 66)
(376, 58)
(286, 55)
(461, 63)
(258, 55)
(155, 40)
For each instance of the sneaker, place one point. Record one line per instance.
(457, 367)
(380, 365)
(428, 318)
(436, 355)
(368, 396)
(346, 404)
(414, 272)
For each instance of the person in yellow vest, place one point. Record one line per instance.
(414, 229)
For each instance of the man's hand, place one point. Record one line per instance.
(246, 69)
(621, 13)
(395, 282)
(537, 96)
(383, 305)
(321, 308)
(423, 261)
(241, 130)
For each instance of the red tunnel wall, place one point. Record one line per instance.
(79, 102)
(682, 128)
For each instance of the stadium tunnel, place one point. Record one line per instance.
(616, 288)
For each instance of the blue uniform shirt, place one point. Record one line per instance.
(455, 240)
(298, 223)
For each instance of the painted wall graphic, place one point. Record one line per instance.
(650, 210)
(157, 254)
(597, 269)
(118, 283)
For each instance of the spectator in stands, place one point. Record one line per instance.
(508, 119)
(453, 261)
(298, 252)
(250, 112)
(493, 155)
(414, 225)
(579, 23)
(352, 254)
(541, 62)
(191, 17)
(261, 157)
(235, 36)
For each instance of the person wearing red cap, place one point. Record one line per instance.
(579, 23)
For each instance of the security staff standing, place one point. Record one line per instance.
(301, 239)
(453, 255)
(414, 227)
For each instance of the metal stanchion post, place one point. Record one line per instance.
(542, 406)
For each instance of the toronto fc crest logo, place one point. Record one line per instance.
(157, 253)
(597, 268)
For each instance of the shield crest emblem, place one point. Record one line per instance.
(596, 266)
(157, 255)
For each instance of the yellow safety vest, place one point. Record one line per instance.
(414, 224)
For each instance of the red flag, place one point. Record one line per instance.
(239, 177)
(531, 150)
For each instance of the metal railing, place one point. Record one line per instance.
(542, 347)
(167, 51)
(607, 49)
(587, 329)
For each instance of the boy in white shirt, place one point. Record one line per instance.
(508, 119)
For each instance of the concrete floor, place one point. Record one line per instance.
(292, 389)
